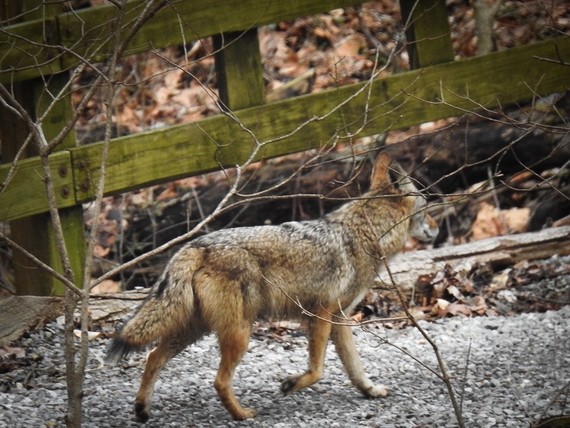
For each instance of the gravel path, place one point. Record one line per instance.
(516, 366)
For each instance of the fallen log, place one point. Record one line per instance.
(498, 252)
(109, 308)
(19, 314)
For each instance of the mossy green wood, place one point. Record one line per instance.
(395, 102)
(31, 233)
(188, 20)
(427, 32)
(36, 9)
(239, 69)
(276, 129)
(27, 50)
(25, 194)
(86, 32)
(36, 233)
(71, 217)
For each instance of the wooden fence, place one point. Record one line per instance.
(38, 52)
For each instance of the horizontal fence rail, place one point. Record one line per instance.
(54, 44)
(293, 125)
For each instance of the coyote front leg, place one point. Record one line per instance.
(319, 333)
(344, 344)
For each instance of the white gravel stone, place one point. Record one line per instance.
(516, 365)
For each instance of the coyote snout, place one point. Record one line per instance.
(223, 281)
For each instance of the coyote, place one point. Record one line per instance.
(317, 269)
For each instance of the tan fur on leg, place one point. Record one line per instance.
(233, 344)
(319, 332)
(345, 348)
(157, 359)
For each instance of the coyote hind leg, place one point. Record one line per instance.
(344, 344)
(233, 345)
(166, 349)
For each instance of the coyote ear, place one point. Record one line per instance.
(380, 171)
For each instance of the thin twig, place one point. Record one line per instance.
(464, 380)
(427, 337)
(564, 390)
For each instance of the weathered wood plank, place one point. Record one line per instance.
(239, 69)
(499, 250)
(19, 314)
(27, 50)
(25, 194)
(36, 233)
(87, 31)
(428, 35)
(395, 102)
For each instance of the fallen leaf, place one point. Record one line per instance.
(501, 279)
(107, 286)
(454, 291)
(441, 304)
(491, 221)
(100, 251)
(478, 305)
(350, 45)
(168, 193)
(90, 334)
(12, 352)
(456, 308)
(358, 317)
(487, 223)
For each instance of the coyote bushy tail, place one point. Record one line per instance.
(163, 313)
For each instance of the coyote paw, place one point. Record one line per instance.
(376, 391)
(141, 413)
(244, 413)
(296, 383)
(289, 384)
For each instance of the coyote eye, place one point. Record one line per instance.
(394, 178)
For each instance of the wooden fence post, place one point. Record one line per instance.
(35, 233)
(239, 69)
(427, 32)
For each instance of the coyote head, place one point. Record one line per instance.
(388, 173)
(422, 226)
